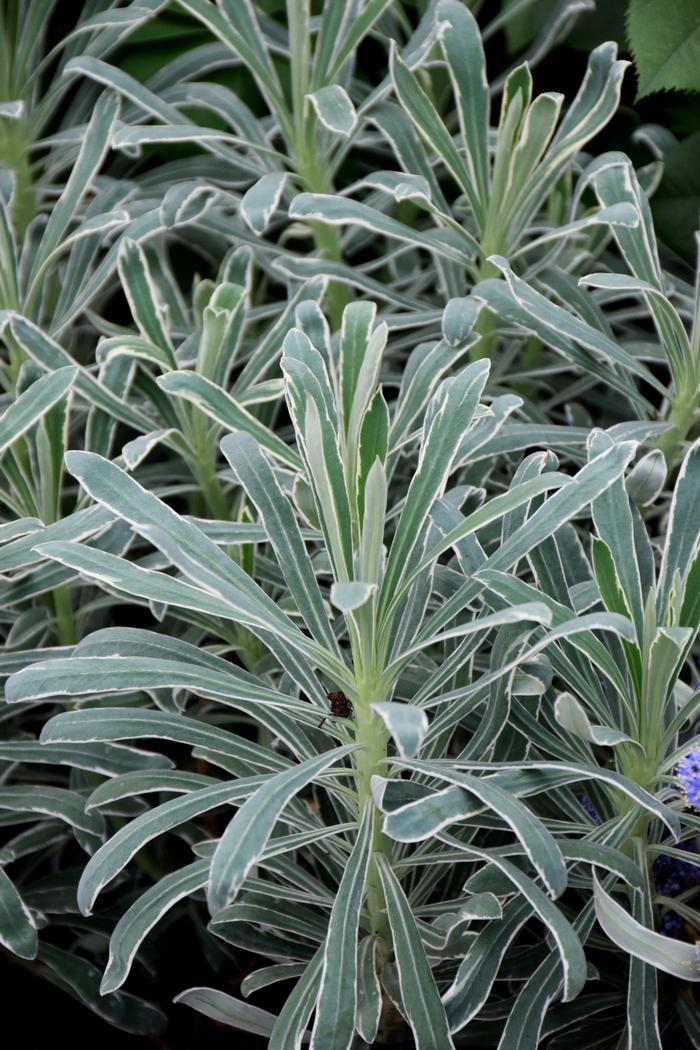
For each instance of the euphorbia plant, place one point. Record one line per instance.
(318, 794)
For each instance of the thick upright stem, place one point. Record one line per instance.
(682, 416)
(485, 326)
(371, 735)
(64, 619)
(327, 237)
(212, 490)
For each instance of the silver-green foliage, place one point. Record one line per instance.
(345, 472)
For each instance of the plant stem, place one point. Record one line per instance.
(64, 619)
(372, 736)
(212, 490)
(486, 324)
(327, 237)
(682, 415)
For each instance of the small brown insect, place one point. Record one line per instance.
(340, 705)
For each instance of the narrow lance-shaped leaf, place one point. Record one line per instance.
(17, 928)
(114, 855)
(453, 407)
(256, 476)
(337, 1000)
(33, 403)
(424, 1010)
(664, 953)
(247, 834)
(226, 1010)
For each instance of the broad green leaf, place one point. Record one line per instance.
(665, 44)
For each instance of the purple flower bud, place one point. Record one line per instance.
(590, 809)
(688, 775)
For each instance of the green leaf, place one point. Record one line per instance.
(289, 1031)
(663, 953)
(334, 109)
(33, 403)
(246, 836)
(369, 993)
(427, 121)
(337, 1000)
(94, 146)
(477, 971)
(17, 928)
(407, 725)
(665, 41)
(116, 723)
(50, 801)
(224, 408)
(143, 297)
(421, 1000)
(352, 595)
(451, 411)
(681, 537)
(227, 1010)
(143, 915)
(255, 474)
(568, 944)
(259, 203)
(114, 855)
(461, 42)
(571, 715)
(78, 977)
(342, 211)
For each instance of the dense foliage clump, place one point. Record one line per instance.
(349, 543)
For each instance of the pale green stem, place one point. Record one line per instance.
(682, 416)
(64, 619)
(372, 736)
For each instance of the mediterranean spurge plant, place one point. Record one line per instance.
(373, 581)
